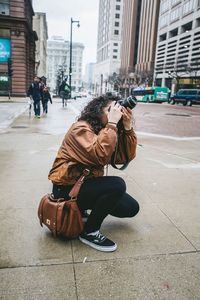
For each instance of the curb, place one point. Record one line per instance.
(4, 125)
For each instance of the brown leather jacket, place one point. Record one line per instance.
(82, 148)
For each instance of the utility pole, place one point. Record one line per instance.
(10, 73)
(70, 53)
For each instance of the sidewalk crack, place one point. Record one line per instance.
(179, 230)
(74, 271)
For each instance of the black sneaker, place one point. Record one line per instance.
(98, 241)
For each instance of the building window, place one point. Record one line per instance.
(115, 50)
(117, 16)
(118, 0)
(115, 44)
(186, 27)
(4, 32)
(174, 2)
(4, 7)
(198, 3)
(114, 56)
(175, 14)
(188, 7)
(116, 32)
(173, 32)
(164, 6)
(163, 37)
(117, 24)
(163, 21)
(117, 7)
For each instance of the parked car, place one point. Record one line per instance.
(75, 95)
(186, 97)
(84, 94)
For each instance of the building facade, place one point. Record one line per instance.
(130, 36)
(58, 56)
(89, 77)
(139, 35)
(40, 26)
(108, 42)
(178, 44)
(17, 46)
(129, 46)
(149, 15)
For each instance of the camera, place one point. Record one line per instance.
(129, 102)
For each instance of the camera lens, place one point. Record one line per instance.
(129, 102)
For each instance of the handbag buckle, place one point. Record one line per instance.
(48, 222)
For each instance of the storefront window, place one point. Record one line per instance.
(4, 32)
(4, 7)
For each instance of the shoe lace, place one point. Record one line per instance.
(100, 236)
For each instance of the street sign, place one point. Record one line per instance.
(3, 78)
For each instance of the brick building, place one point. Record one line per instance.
(17, 42)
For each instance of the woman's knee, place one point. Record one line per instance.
(119, 185)
(134, 209)
(127, 207)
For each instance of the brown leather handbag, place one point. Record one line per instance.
(62, 217)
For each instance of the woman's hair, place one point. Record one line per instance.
(92, 113)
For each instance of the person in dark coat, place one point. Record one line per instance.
(46, 99)
(64, 91)
(35, 92)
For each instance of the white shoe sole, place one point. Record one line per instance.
(100, 248)
(84, 219)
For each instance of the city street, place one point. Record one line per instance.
(158, 255)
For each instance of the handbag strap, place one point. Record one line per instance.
(76, 188)
(114, 155)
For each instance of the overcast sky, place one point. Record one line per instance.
(59, 13)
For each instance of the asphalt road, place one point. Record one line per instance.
(174, 121)
(168, 120)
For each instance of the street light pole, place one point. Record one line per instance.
(70, 52)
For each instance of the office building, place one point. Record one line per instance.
(140, 23)
(40, 26)
(130, 35)
(147, 39)
(58, 56)
(178, 44)
(89, 76)
(108, 42)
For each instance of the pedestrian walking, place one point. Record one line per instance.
(42, 85)
(46, 97)
(64, 92)
(35, 92)
(90, 143)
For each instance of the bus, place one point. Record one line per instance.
(152, 94)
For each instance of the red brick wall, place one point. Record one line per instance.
(19, 63)
(17, 8)
(22, 45)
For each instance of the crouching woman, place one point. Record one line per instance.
(90, 143)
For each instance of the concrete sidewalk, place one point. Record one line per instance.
(158, 254)
(9, 111)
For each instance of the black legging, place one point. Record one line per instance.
(103, 195)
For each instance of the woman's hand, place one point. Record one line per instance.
(127, 118)
(115, 113)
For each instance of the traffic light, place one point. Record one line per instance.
(10, 70)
